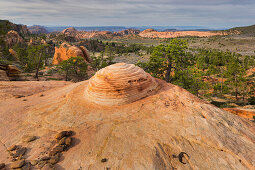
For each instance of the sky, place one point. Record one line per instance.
(207, 13)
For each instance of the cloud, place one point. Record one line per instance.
(217, 13)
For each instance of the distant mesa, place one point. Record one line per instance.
(66, 51)
(119, 84)
(37, 29)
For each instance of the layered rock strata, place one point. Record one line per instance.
(120, 84)
(66, 51)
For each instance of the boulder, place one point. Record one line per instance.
(66, 51)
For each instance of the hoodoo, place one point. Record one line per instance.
(120, 84)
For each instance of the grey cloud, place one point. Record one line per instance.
(217, 13)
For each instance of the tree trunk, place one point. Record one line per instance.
(38, 67)
(168, 73)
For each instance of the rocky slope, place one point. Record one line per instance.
(12, 38)
(6, 26)
(167, 129)
(37, 29)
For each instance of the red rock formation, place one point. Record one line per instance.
(70, 31)
(246, 113)
(66, 51)
(168, 129)
(120, 84)
(12, 38)
(150, 33)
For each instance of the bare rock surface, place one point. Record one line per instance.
(170, 129)
(120, 84)
(66, 51)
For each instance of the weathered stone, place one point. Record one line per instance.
(62, 134)
(48, 167)
(28, 138)
(54, 159)
(12, 148)
(45, 158)
(129, 83)
(104, 160)
(62, 141)
(58, 149)
(66, 51)
(34, 162)
(40, 164)
(2, 165)
(19, 152)
(68, 141)
(17, 164)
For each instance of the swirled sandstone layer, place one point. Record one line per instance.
(120, 84)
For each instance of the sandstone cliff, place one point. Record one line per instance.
(124, 119)
(150, 33)
(66, 51)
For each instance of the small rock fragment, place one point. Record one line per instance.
(41, 164)
(53, 153)
(62, 134)
(2, 165)
(28, 138)
(17, 164)
(54, 159)
(20, 152)
(45, 158)
(68, 141)
(12, 148)
(58, 149)
(48, 167)
(19, 96)
(27, 166)
(34, 162)
(104, 160)
(62, 141)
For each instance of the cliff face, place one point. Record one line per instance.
(66, 51)
(6, 26)
(150, 33)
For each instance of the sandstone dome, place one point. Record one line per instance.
(120, 84)
(167, 129)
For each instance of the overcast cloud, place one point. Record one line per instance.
(211, 13)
